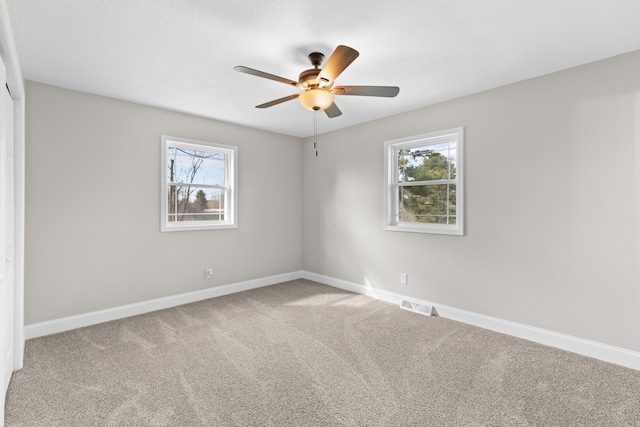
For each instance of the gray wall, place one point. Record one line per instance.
(552, 204)
(93, 236)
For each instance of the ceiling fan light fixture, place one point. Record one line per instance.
(316, 99)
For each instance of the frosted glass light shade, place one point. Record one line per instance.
(316, 99)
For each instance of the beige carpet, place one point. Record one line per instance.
(304, 354)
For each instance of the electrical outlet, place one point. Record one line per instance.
(403, 278)
(208, 273)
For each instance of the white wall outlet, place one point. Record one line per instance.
(403, 278)
(208, 273)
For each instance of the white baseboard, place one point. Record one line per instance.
(604, 352)
(87, 319)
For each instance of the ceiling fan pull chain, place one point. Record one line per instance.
(315, 131)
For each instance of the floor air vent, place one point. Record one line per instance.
(427, 310)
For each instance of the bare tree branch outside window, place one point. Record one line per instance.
(188, 198)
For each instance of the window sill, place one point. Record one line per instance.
(453, 230)
(196, 227)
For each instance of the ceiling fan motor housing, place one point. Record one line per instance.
(309, 76)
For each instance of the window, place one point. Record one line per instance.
(198, 185)
(424, 183)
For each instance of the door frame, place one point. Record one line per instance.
(15, 81)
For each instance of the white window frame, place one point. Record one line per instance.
(230, 187)
(391, 185)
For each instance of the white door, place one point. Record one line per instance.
(6, 238)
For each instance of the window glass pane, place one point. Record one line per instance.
(191, 203)
(433, 204)
(194, 166)
(427, 162)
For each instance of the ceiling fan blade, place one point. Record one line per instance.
(333, 111)
(385, 91)
(277, 101)
(262, 74)
(340, 59)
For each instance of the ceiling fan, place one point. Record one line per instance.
(317, 83)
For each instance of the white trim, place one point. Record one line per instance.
(15, 79)
(391, 183)
(87, 319)
(604, 352)
(600, 351)
(231, 180)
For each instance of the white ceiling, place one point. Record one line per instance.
(180, 55)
